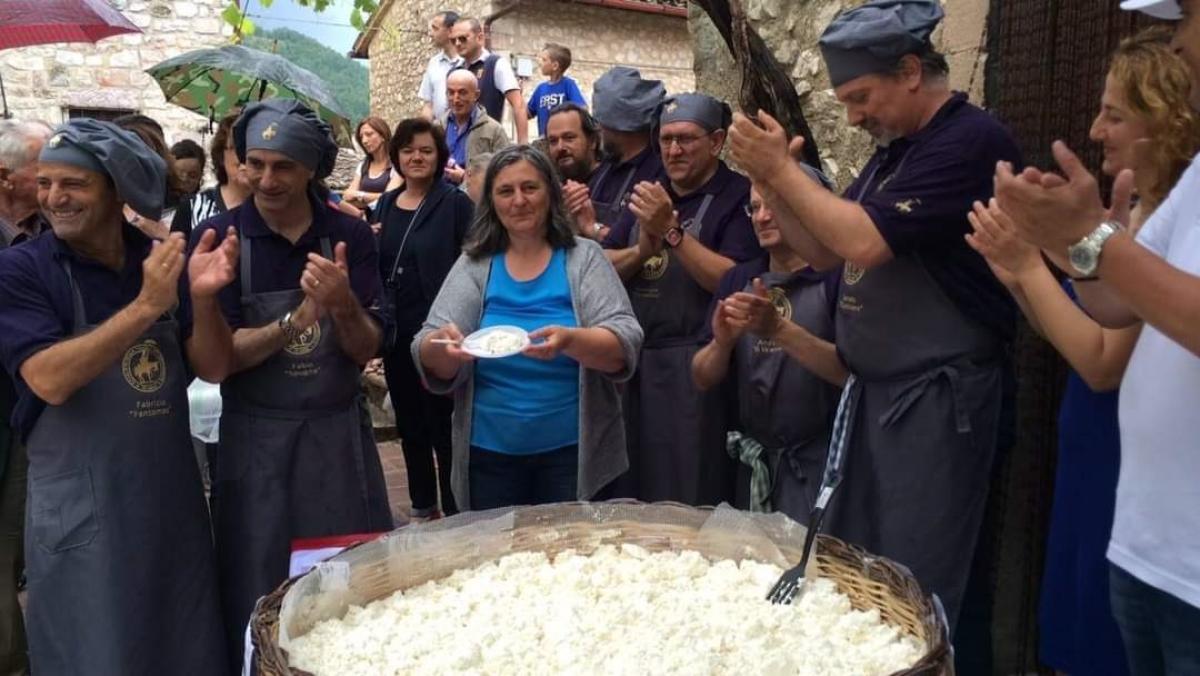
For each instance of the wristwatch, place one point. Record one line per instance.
(674, 237)
(1085, 254)
(289, 328)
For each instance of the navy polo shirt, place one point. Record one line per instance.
(606, 181)
(276, 263)
(739, 277)
(726, 229)
(918, 192)
(37, 305)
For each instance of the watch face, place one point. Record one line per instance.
(674, 236)
(1083, 259)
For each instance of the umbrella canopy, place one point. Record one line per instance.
(38, 22)
(213, 82)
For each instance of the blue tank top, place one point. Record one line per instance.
(523, 405)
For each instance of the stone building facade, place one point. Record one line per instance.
(650, 36)
(791, 29)
(106, 79)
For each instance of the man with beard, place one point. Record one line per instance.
(573, 142)
(624, 107)
(921, 322)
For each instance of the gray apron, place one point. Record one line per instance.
(676, 433)
(119, 554)
(297, 459)
(926, 417)
(609, 213)
(770, 384)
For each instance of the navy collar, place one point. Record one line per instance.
(713, 186)
(951, 107)
(137, 247)
(252, 223)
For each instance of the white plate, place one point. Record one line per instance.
(477, 344)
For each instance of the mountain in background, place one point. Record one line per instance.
(347, 78)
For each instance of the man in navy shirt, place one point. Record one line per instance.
(771, 338)
(624, 106)
(921, 322)
(680, 236)
(285, 325)
(91, 327)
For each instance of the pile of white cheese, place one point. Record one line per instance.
(618, 611)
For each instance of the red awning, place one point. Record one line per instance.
(38, 22)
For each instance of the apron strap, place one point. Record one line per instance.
(698, 220)
(915, 389)
(244, 262)
(78, 314)
(246, 267)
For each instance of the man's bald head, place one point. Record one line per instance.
(462, 93)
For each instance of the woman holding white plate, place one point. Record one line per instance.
(543, 425)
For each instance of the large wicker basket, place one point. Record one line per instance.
(416, 554)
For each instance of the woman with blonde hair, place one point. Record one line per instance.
(1145, 124)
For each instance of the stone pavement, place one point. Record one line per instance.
(397, 480)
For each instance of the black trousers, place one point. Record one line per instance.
(13, 649)
(502, 480)
(423, 421)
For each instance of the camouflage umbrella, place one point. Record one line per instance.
(214, 82)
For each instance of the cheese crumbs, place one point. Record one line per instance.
(619, 611)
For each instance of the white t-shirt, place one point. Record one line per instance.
(1156, 532)
(433, 85)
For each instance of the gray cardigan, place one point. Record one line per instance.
(599, 300)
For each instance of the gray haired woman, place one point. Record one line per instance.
(545, 425)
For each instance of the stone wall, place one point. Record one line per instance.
(599, 38)
(791, 28)
(659, 46)
(400, 49)
(44, 81)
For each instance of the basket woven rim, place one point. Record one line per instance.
(830, 553)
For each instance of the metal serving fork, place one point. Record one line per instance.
(791, 582)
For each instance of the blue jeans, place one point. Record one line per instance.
(503, 480)
(1161, 632)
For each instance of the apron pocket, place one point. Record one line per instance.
(63, 510)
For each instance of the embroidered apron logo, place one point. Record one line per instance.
(852, 273)
(144, 367)
(305, 342)
(779, 299)
(655, 266)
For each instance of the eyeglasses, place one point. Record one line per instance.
(684, 141)
(753, 208)
(460, 40)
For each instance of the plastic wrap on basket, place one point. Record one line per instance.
(414, 555)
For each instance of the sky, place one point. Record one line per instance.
(331, 28)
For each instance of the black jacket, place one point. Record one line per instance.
(436, 239)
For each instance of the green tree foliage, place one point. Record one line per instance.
(346, 77)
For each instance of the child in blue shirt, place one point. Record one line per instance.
(554, 60)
